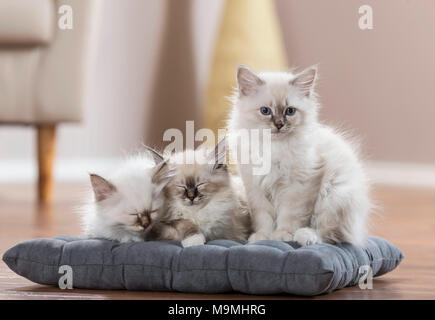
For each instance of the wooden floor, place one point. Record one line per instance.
(407, 219)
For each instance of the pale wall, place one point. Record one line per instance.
(377, 82)
(119, 108)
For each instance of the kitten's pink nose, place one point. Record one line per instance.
(143, 220)
(192, 194)
(279, 125)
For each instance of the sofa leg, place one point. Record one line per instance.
(46, 138)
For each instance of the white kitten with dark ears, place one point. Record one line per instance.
(316, 189)
(128, 204)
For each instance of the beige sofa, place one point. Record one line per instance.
(43, 70)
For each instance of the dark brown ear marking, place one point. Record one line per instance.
(305, 80)
(220, 167)
(155, 154)
(247, 81)
(162, 173)
(103, 189)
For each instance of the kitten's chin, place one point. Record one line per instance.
(192, 204)
(281, 134)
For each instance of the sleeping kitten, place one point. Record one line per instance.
(316, 189)
(126, 206)
(208, 196)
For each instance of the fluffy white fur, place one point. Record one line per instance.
(133, 189)
(219, 209)
(316, 189)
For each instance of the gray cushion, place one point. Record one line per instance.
(264, 267)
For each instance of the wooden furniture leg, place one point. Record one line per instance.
(46, 135)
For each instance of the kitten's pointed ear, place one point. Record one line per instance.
(162, 173)
(219, 155)
(157, 156)
(306, 80)
(103, 189)
(247, 81)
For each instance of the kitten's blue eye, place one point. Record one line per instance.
(290, 111)
(265, 111)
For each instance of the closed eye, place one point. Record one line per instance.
(144, 212)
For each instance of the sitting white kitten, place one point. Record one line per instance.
(125, 206)
(316, 189)
(207, 195)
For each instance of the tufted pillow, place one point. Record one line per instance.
(263, 267)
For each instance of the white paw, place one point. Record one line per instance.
(195, 240)
(257, 236)
(281, 235)
(306, 236)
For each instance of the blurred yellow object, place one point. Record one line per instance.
(249, 34)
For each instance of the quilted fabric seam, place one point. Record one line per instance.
(145, 265)
(158, 267)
